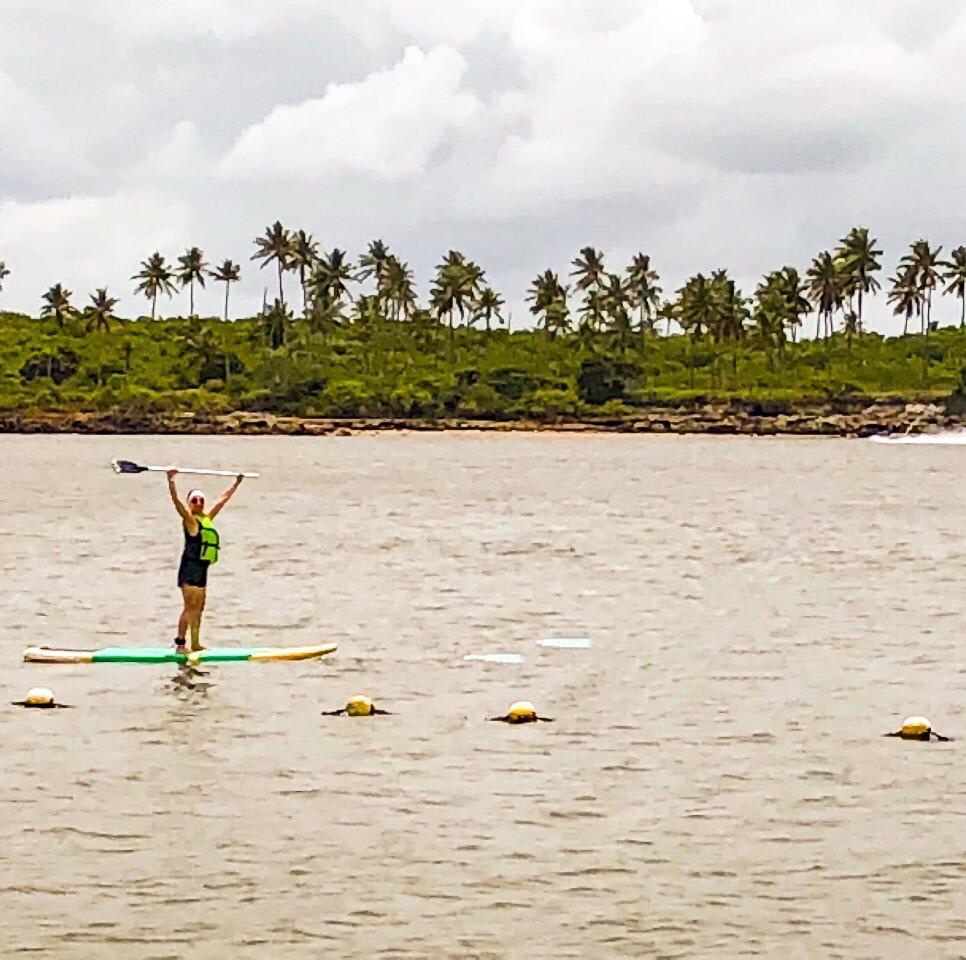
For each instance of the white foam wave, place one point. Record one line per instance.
(947, 438)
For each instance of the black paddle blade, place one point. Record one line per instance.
(127, 466)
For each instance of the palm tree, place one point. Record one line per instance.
(4, 273)
(859, 256)
(275, 245)
(615, 299)
(588, 268)
(100, 313)
(155, 277)
(795, 292)
(955, 277)
(228, 273)
(548, 298)
(192, 268)
(487, 306)
(731, 306)
(374, 262)
(304, 256)
(826, 289)
(771, 315)
(330, 278)
(905, 297)
(644, 291)
(395, 287)
(697, 313)
(924, 263)
(669, 313)
(781, 297)
(57, 304)
(456, 287)
(275, 324)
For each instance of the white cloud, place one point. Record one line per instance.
(84, 242)
(32, 155)
(387, 125)
(741, 133)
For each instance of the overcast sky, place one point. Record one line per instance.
(738, 133)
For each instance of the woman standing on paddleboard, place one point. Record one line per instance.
(201, 547)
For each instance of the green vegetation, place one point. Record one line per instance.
(605, 343)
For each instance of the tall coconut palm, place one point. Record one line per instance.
(456, 287)
(395, 288)
(588, 268)
(955, 277)
(732, 308)
(781, 296)
(826, 289)
(860, 260)
(616, 299)
(771, 316)
(101, 311)
(228, 273)
(795, 292)
(698, 309)
(925, 264)
(697, 314)
(276, 245)
(905, 297)
(374, 262)
(57, 304)
(548, 299)
(155, 277)
(487, 306)
(644, 291)
(330, 278)
(304, 255)
(4, 273)
(191, 269)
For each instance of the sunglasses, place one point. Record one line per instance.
(197, 500)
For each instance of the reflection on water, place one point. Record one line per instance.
(715, 782)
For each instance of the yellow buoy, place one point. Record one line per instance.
(39, 697)
(521, 712)
(915, 727)
(359, 707)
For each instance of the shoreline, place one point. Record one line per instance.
(732, 418)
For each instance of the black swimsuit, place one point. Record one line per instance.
(193, 571)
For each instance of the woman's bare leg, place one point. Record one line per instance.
(194, 604)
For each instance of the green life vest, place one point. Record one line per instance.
(210, 541)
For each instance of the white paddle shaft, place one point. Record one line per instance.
(207, 473)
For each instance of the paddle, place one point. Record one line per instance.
(129, 466)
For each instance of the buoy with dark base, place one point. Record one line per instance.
(917, 728)
(357, 707)
(521, 712)
(40, 698)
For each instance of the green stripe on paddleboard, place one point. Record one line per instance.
(167, 655)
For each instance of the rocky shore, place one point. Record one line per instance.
(859, 417)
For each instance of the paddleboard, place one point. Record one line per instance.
(168, 655)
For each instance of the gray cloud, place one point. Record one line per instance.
(739, 133)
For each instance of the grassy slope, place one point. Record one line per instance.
(396, 369)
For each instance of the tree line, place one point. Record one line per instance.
(628, 304)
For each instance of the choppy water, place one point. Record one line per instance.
(715, 784)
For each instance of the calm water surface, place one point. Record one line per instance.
(715, 784)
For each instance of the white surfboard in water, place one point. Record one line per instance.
(949, 438)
